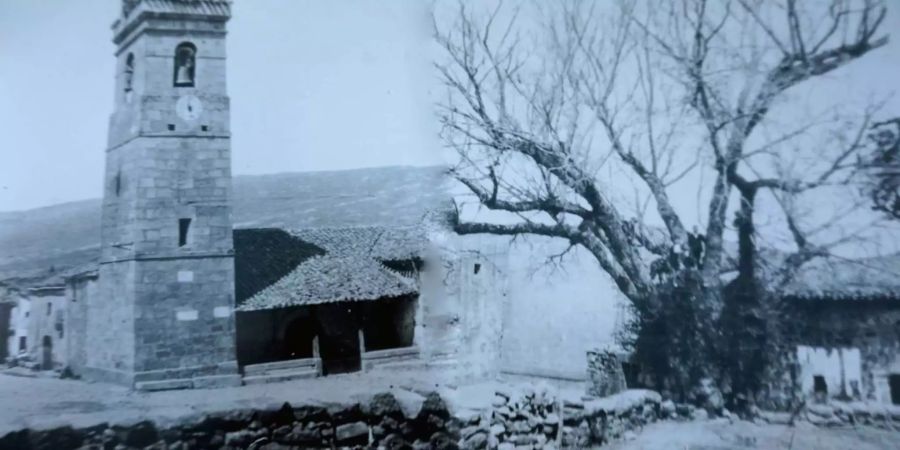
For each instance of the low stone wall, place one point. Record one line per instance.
(840, 414)
(415, 421)
(538, 419)
(531, 419)
(517, 418)
(600, 421)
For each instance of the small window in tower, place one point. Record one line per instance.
(171, 127)
(477, 268)
(185, 63)
(184, 227)
(118, 183)
(129, 72)
(23, 343)
(49, 308)
(204, 127)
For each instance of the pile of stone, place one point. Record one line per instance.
(839, 414)
(529, 419)
(413, 422)
(605, 374)
(598, 421)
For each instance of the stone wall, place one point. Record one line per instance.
(540, 419)
(520, 419)
(842, 329)
(109, 340)
(6, 333)
(382, 421)
(18, 325)
(46, 325)
(78, 291)
(840, 414)
(184, 321)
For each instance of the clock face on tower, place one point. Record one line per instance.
(188, 107)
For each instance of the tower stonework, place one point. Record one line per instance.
(164, 314)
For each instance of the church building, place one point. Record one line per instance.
(179, 299)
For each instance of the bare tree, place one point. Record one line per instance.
(556, 127)
(882, 167)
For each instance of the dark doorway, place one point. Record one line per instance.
(339, 338)
(47, 353)
(894, 382)
(298, 338)
(819, 385)
(389, 323)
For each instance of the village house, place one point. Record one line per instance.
(33, 313)
(841, 322)
(8, 335)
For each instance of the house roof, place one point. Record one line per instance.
(329, 279)
(350, 268)
(379, 242)
(847, 279)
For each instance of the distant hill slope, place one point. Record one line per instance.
(68, 235)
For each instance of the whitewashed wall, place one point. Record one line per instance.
(555, 314)
(840, 367)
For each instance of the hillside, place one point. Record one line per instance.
(68, 235)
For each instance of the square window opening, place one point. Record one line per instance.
(171, 127)
(204, 127)
(184, 228)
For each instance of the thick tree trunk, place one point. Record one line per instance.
(743, 318)
(677, 342)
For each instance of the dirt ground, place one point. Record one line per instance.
(40, 403)
(742, 435)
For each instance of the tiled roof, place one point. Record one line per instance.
(265, 255)
(328, 279)
(383, 243)
(847, 279)
(350, 269)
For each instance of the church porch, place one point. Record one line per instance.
(326, 339)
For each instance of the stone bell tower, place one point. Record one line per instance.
(163, 316)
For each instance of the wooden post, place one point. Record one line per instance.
(362, 350)
(315, 345)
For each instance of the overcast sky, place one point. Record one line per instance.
(314, 85)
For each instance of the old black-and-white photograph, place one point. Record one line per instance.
(449, 224)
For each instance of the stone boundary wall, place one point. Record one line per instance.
(526, 419)
(542, 420)
(421, 422)
(841, 414)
